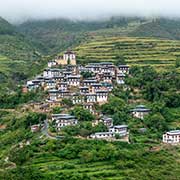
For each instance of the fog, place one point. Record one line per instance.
(20, 10)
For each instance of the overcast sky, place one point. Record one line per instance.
(19, 10)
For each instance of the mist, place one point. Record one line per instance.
(17, 11)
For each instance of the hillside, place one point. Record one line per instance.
(134, 51)
(160, 28)
(17, 56)
(56, 35)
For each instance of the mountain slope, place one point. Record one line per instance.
(161, 28)
(134, 51)
(17, 55)
(59, 34)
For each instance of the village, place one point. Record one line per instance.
(86, 86)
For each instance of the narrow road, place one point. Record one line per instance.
(44, 130)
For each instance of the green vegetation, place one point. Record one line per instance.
(82, 114)
(159, 53)
(19, 60)
(18, 98)
(27, 155)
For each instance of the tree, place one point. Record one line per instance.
(57, 110)
(82, 114)
(177, 65)
(114, 105)
(156, 122)
(34, 118)
(67, 102)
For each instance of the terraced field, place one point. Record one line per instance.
(136, 51)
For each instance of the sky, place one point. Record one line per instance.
(21, 10)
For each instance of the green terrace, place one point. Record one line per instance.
(134, 50)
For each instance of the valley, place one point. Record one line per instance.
(63, 113)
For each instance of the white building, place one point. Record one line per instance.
(120, 131)
(69, 55)
(52, 63)
(172, 137)
(120, 78)
(102, 96)
(123, 69)
(62, 120)
(140, 111)
(91, 98)
(73, 80)
(53, 94)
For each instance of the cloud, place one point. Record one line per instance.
(20, 10)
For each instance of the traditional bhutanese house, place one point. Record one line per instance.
(64, 94)
(53, 94)
(107, 77)
(120, 78)
(70, 57)
(93, 67)
(94, 87)
(77, 98)
(59, 78)
(172, 137)
(89, 82)
(52, 63)
(107, 121)
(112, 70)
(44, 107)
(52, 72)
(62, 86)
(140, 111)
(102, 96)
(105, 69)
(34, 84)
(53, 104)
(67, 73)
(62, 120)
(90, 107)
(120, 130)
(56, 72)
(47, 73)
(73, 80)
(84, 90)
(50, 84)
(123, 69)
(71, 68)
(91, 98)
(107, 86)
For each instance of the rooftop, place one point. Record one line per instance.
(174, 132)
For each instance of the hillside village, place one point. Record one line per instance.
(108, 109)
(86, 86)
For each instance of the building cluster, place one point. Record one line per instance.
(85, 85)
(118, 132)
(114, 132)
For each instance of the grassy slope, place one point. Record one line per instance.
(59, 34)
(85, 159)
(136, 51)
(17, 56)
(160, 28)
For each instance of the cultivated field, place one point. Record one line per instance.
(135, 51)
